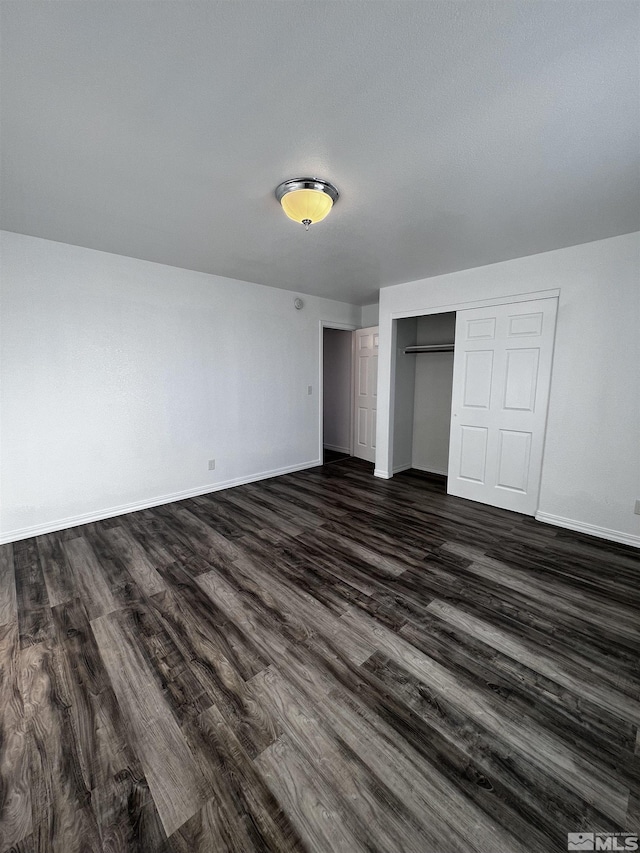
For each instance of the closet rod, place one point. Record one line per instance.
(429, 348)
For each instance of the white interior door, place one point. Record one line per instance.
(366, 393)
(501, 377)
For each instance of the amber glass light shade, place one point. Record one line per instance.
(306, 205)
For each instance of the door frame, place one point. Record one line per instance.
(386, 473)
(343, 327)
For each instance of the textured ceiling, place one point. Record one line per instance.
(458, 133)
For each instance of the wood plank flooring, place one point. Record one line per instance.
(320, 662)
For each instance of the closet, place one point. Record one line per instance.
(471, 389)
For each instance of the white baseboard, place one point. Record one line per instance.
(112, 512)
(589, 529)
(384, 475)
(442, 472)
(337, 449)
(398, 468)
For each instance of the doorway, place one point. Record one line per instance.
(337, 357)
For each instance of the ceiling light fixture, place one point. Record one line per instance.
(306, 200)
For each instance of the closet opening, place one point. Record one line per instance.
(423, 391)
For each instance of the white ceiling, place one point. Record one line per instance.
(458, 133)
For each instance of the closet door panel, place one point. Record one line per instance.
(473, 453)
(501, 378)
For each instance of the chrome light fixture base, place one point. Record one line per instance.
(307, 184)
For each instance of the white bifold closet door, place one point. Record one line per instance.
(366, 393)
(501, 377)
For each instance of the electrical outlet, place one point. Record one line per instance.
(637, 509)
(212, 464)
(309, 390)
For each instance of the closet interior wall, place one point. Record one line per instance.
(423, 384)
(432, 397)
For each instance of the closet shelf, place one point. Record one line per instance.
(429, 348)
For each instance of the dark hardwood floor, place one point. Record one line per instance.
(321, 662)
(333, 456)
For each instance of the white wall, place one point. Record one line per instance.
(121, 379)
(369, 315)
(337, 398)
(405, 382)
(432, 401)
(591, 468)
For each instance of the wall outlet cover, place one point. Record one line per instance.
(212, 464)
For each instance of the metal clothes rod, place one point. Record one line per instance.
(429, 348)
